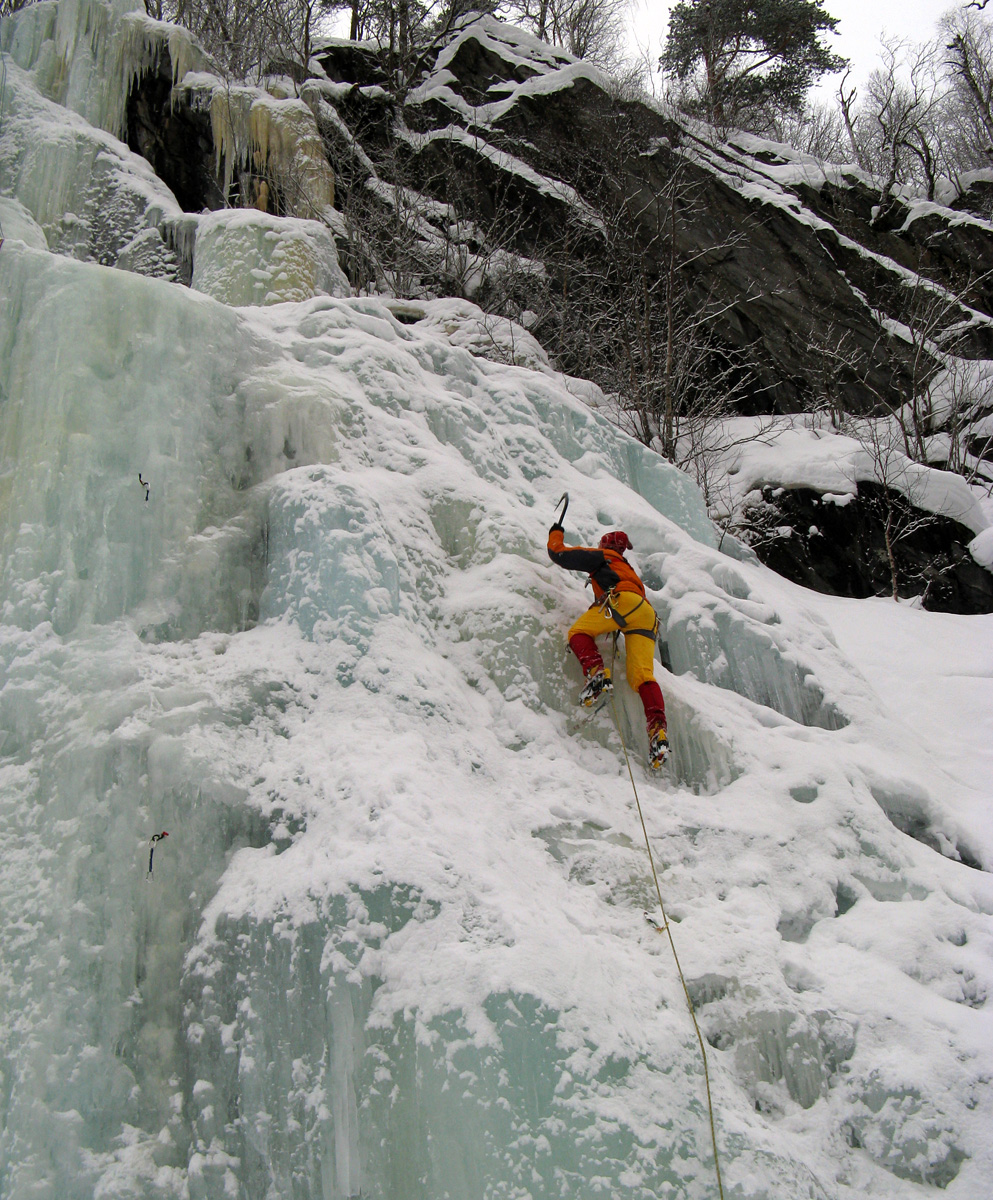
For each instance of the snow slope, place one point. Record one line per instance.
(393, 945)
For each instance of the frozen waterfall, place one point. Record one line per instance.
(393, 946)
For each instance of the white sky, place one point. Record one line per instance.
(860, 24)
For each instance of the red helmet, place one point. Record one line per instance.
(617, 540)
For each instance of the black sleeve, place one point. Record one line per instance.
(577, 558)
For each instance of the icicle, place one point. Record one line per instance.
(229, 123)
(184, 54)
(98, 48)
(180, 235)
(138, 50)
(141, 43)
(285, 141)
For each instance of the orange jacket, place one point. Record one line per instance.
(608, 570)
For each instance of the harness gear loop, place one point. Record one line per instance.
(668, 931)
(606, 607)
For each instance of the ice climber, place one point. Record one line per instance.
(619, 605)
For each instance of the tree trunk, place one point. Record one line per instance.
(403, 11)
(669, 440)
(967, 73)
(542, 28)
(890, 555)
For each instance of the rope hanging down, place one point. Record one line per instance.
(3, 102)
(668, 931)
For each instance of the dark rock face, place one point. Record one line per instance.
(503, 150)
(175, 139)
(956, 254)
(976, 199)
(785, 276)
(790, 263)
(351, 62)
(841, 549)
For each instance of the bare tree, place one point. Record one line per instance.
(410, 32)
(847, 96)
(968, 60)
(903, 124)
(252, 38)
(926, 113)
(819, 130)
(590, 29)
(945, 412)
(962, 403)
(629, 310)
(898, 493)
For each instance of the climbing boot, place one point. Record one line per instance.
(598, 686)
(658, 746)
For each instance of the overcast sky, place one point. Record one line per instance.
(860, 23)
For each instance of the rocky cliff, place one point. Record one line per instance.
(506, 146)
(505, 172)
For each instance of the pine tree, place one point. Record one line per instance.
(749, 59)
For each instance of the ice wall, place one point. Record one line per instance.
(393, 946)
(70, 67)
(242, 257)
(91, 196)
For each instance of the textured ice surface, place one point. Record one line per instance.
(243, 256)
(90, 195)
(393, 944)
(18, 224)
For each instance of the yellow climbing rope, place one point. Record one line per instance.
(3, 101)
(672, 944)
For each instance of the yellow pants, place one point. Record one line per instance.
(639, 649)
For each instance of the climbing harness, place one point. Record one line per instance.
(156, 837)
(607, 607)
(664, 927)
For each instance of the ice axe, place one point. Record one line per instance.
(156, 837)
(564, 501)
